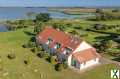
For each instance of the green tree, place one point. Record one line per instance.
(59, 67)
(99, 10)
(38, 27)
(43, 17)
(30, 15)
(74, 32)
(59, 26)
(53, 59)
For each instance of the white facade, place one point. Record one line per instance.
(69, 60)
(89, 63)
(81, 47)
(84, 65)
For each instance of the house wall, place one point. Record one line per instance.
(82, 46)
(89, 63)
(83, 65)
(69, 60)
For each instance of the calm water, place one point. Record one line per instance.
(12, 13)
(3, 28)
(21, 12)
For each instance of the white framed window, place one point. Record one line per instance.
(57, 45)
(67, 50)
(49, 41)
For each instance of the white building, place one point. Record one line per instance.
(79, 53)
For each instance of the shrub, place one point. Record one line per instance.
(39, 48)
(25, 46)
(58, 67)
(65, 66)
(11, 56)
(25, 62)
(41, 54)
(53, 59)
(98, 27)
(29, 45)
(34, 50)
(46, 55)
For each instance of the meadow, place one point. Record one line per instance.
(37, 68)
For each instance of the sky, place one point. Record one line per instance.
(54, 3)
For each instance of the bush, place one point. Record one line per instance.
(65, 66)
(39, 48)
(53, 59)
(58, 67)
(46, 55)
(25, 46)
(41, 54)
(11, 56)
(34, 50)
(98, 26)
(25, 62)
(29, 45)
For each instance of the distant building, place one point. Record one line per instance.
(77, 52)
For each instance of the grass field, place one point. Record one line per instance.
(37, 68)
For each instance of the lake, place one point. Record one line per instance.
(8, 13)
(3, 28)
(12, 13)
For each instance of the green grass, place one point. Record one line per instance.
(16, 69)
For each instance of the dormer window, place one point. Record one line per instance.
(67, 50)
(57, 45)
(49, 41)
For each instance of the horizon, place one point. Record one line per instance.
(60, 3)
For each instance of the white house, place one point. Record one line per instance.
(79, 54)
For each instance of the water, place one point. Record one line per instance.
(3, 28)
(12, 13)
(8, 13)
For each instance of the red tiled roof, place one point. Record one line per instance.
(86, 55)
(66, 40)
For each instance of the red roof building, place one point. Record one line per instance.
(78, 50)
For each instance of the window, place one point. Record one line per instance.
(57, 46)
(68, 50)
(49, 41)
(73, 63)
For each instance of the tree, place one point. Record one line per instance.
(38, 27)
(59, 26)
(99, 10)
(98, 26)
(53, 59)
(43, 17)
(11, 56)
(40, 18)
(74, 32)
(115, 10)
(30, 15)
(59, 67)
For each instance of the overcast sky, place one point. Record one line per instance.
(47, 3)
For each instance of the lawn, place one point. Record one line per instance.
(37, 68)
